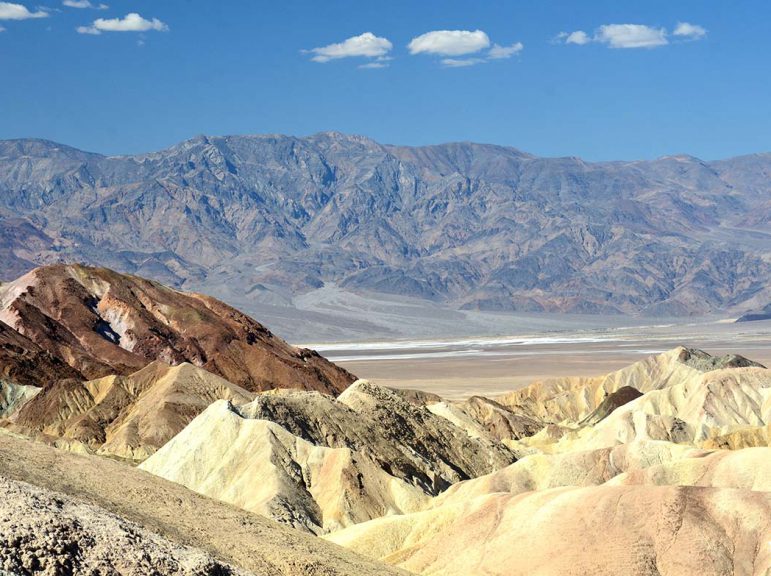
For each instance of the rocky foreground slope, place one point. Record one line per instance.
(470, 225)
(69, 537)
(51, 496)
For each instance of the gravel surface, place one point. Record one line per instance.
(47, 533)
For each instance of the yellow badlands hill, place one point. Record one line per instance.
(630, 530)
(125, 416)
(320, 463)
(646, 508)
(696, 411)
(611, 486)
(569, 400)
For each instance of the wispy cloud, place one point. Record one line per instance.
(502, 52)
(461, 62)
(10, 11)
(632, 35)
(84, 4)
(2, 29)
(132, 22)
(365, 45)
(689, 31)
(373, 65)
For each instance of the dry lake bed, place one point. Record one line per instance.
(465, 366)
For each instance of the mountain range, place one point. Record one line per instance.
(265, 219)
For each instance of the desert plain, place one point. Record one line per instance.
(464, 366)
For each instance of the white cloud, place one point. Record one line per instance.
(366, 45)
(132, 22)
(578, 37)
(84, 4)
(88, 30)
(449, 42)
(690, 31)
(9, 11)
(631, 36)
(498, 52)
(2, 29)
(374, 65)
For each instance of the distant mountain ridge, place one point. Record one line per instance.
(470, 225)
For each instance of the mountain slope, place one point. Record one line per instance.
(24, 362)
(103, 323)
(470, 225)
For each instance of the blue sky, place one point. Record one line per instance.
(95, 79)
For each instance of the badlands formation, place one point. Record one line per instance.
(325, 463)
(102, 323)
(611, 475)
(180, 431)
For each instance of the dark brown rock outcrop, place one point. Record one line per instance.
(100, 322)
(24, 362)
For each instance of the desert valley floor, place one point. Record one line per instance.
(465, 366)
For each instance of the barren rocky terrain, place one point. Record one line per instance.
(658, 468)
(124, 496)
(45, 532)
(325, 463)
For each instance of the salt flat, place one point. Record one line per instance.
(464, 366)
